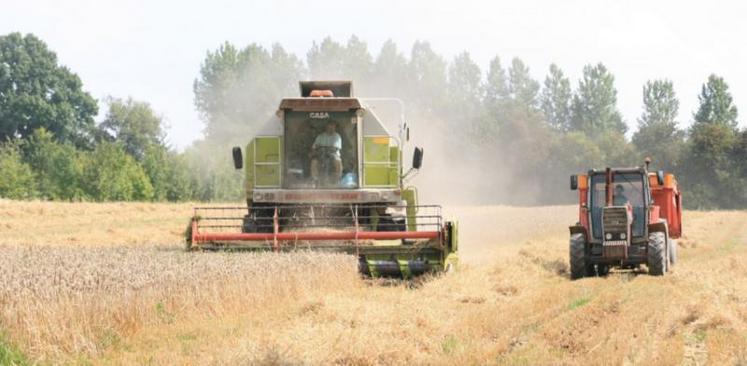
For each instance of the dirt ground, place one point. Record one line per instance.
(108, 284)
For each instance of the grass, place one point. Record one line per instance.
(10, 355)
(108, 284)
(575, 304)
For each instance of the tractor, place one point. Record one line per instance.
(627, 217)
(325, 173)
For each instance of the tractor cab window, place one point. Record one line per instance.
(627, 188)
(321, 150)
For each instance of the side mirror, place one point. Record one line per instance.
(238, 158)
(574, 182)
(660, 177)
(417, 158)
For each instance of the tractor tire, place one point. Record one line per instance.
(672, 252)
(657, 254)
(579, 267)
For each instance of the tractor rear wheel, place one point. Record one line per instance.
(579, 267)
(657, 254)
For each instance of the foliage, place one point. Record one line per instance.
(526, 136)
(113, 175)
(716, 103)
(134, 124)
(715, 171)
(17, 179)
(9, 355)
(594, 106)
(36, 92)
(238, 88)
(58, 166)
(658, 134)
(556, 99)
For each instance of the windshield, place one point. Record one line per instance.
(321, 150)
(627, 188)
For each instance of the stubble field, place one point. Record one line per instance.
(108, 284)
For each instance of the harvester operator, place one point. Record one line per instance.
(329, 143)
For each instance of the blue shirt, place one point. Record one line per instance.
(329, 140)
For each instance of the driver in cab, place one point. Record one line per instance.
(327, 145)
(620, 198)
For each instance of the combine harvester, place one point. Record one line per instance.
(627, 217)
(326, 174)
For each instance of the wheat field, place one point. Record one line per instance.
(107, 283)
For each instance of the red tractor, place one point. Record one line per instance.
(627, 217)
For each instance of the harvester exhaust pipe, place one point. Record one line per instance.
(608, 187)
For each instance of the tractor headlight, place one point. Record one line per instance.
(623, 236)
(608, 236)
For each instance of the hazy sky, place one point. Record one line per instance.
(152, 50)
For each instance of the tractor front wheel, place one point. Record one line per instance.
(579, 267)
(657, 254)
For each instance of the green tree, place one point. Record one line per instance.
(168, 173)
(522, 88)
(428, 78)
(17, 180)
(390, 69)
(134, 124)
(496, 85)
(113, 175)
(36, 92)
(330, 60)
(713, 174)
(594, 106)
(658, 135)
(326, 59)
(237, 89)
(716, 103)
(58, 166)
(464, 88)
(496, 97)
(556, 99)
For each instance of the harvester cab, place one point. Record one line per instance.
(627, 217)
(326, 173)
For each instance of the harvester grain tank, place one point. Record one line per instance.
(627, 217)
(326, 173)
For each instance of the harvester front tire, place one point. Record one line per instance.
(657, 254)
(579, 267)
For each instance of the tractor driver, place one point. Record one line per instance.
(330, 141)
(620, 199)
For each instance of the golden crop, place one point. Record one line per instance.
(108, 284)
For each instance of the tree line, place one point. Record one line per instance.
(534, 133)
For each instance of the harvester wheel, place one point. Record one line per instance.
(579, 267)
(672, 252)
(657, 254)
(249, 225)
(603, 270)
